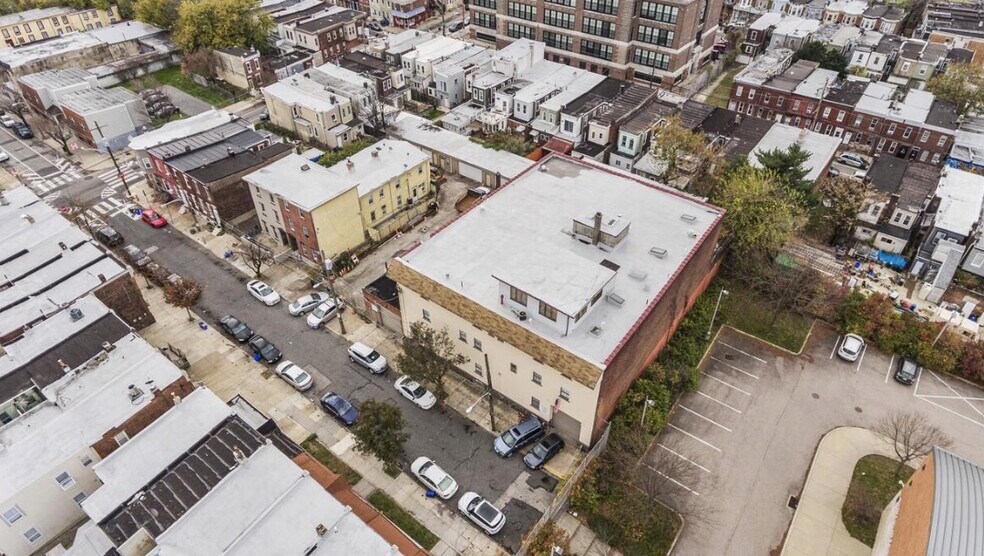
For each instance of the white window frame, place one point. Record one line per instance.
(39, 536)
(9, 519)
(65, 480)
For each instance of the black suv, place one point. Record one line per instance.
(236, 328)
(523, 434)
(908, 372)
(108, 236)
(550, 446)
(267, 351)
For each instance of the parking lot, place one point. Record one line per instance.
(736, 449)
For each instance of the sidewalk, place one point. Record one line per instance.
(817, 528)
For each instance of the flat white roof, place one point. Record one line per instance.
(97, 99)
(793, 26)
(124, 31)
(303, 91)
(269, 505)
(436, 48)
(769, 64)
(765, 21)
(961, 200)
(822, 148)
(817, 84)
(57, 78)
(22, 55)
(136, 463)
(430, 137)
(180, 129)
(522, 232)
(577, 87)
(89, 404)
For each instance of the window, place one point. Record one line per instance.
(826, 112)
(905, 66)
(121, 438)
(463, 336)
(32, 535)
(596, 49)
(659, 12)
(780, 101)
(881, 144)
(78, 498)
(491, 4)
(891, 128)
(522, 11)
(857, 121)
(558, 40)
(519, 296)
(565, 395)
(548, 311)
(426, 315)
(64, 480)
(598, 27)
(941, 142)
(12, 514)
(601, 6)
(874, 122)
(936, 158)
(479, 370)
(661, 37)
(924, 137)
(739, 90)
(372, 215)
(86, 460)
(517, 31)
(907, 133)
(751, 94)
(535, 403)
(767, 97)
(477, 344)
(840, 115)
(512, 368)
(537, 379)
(558, 19)
(660, 61)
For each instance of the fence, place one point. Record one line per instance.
(560, 501)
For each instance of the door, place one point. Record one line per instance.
(470, 172)
(566, 426)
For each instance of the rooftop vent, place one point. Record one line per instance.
(688, 218)
(638, 275)
(134, 393)
(76, 314)
(658, 252)
(321, 530)
(305, 167)
(615, 299)
(596, 330)
(107, 346)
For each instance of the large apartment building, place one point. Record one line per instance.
(646, 40)
(44, 23)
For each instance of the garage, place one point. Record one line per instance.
(470, 172)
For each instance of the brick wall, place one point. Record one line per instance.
(162, 402)
(300, 225)
(123, 296)
(911, 534)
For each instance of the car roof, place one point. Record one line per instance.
(434, 472)
(551, 439)
(528, 425)
(294, 371)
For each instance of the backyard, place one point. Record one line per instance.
(719, 96)
(216, 96)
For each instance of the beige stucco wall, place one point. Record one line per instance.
(338, 225)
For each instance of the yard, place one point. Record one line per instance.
(319, 452)
(719, 96)
(402, 518)
(215, 96)
(746, 311)
(873, 486)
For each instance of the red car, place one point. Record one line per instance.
(151, 217)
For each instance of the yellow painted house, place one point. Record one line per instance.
(324, 212)
(40, 24)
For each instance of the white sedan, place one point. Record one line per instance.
(4, 156)
(306, 303)
(7, 121)
(322, 314)
(263, 292)
(851, 347)
(414, 392)
(295, 376)
(433, 477)
(481, 512)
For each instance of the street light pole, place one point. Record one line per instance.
(649, 403)
(488, 380)
(113, 158)
(714, 316)
(330, 268)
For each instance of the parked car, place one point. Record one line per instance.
(23, 131)
(268, 352)
(481, 512)
(260, 290)
(340, 408)
(135, 256)
(108, 236)
(374, 26)
(367, 357)
(306, 303)
(550, 446)
(236, 328)
(456, 26)
(514, 439)
(167, 110)
(322, 314)
(908, 371)
(851, 347)
(433, 477)
(151, 217)
(415, 392)
(4, 157)
(295, 376)
(150, 93)
(853, 160)
(7, 121)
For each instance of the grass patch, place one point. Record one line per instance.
(173, 77)
(720, 95)
(321, 453)
(394, 474)
(644, 534)
(402, 518)
(432, 114)
(504, 141)
(744, 310)
(873, 486)
(332, 158)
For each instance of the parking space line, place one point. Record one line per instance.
(697, 438)
(690, 461)
(672, 480)
(950, 388)
(950, 410)
(864, 350)
(889, 371)
(725, 383)
(834, 350)
(950, 397)
(713, 399)
(729, 346)
(711, 421)
(733, 367)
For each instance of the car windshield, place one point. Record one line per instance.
(540, 451)
(264, 289)
(908, 368)
(268, 348)
(446, 483)
(301, 377)
(852, 345)
(373, 355)
(508, 438)
(342, 405)
(320, 311)
(419, 391)
(237, 327)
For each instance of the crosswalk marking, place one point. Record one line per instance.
(112, 178)
(109, 205)
(50, 198)
(107, 192)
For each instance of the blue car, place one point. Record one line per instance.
(23, 131)
(340, 408)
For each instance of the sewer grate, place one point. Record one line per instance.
(793, 502)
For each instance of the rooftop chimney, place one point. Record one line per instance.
(64, 366)
(597, 229)
(350, 165)
(28, 217)
(76, 314)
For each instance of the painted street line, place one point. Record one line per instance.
(712, 377)
(725, 363)
(713, 399)
(711, 421)
(729, 346)
(697, 438)
(690, 461)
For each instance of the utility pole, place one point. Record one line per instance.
(113, 158)
(488, 380)
(331, 276)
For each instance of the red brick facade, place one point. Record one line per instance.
(300, 226)
(162, 402)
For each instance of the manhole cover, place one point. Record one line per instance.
(815, 396)
(729, 357)
(859, 410)
(793, 502)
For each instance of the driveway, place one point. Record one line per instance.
(187, 104)
(745, 439)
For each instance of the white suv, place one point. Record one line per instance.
(368, 358)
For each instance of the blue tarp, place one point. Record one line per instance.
(892, 260)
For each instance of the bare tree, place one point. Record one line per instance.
(76, 209)
(14, 105)
(184, 294)
(911, 436)
(59, 132)
(255, 256)
(665, 477)
(373, 111)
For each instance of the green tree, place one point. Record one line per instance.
(680, 150)
(160, 13)
(380, 432)
(827, 57)
(428, 355)
(842, 199)
(789, 166)
(961, 84)
(761, 211)
(222, 23)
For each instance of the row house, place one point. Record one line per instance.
(453, 76)
(899, 192)
(807, 9)
(632, 141)
(39, 24)
(792, 32)
(101, 117)
(918, 61)
(238, 67)
(603, 127)
(44, 89)
(277, 67)
(389, 83)
(745, 12)
(407, 14)
(418, 63)
(330, 36)
(304, 107)
(287, 17)
(875, 54)
(845, 12)
(757, 36)
(882, 18)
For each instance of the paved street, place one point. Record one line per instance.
(747, 436)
